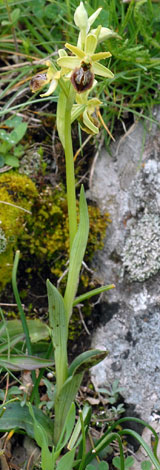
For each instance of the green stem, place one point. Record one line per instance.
(22, 314)
(70, 177)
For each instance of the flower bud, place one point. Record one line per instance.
(81, 17)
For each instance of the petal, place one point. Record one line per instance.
(89, 124)
(90, 44)
(51, 89)
(100, 55)
(77, 110)
(62, 53)
(76, 50)
(100, 69)
(93, 17)
(69, 62)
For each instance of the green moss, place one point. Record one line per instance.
(46, 232)
(42, 237)
(19, 191)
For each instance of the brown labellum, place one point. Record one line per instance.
(82, 78)
(38, 81)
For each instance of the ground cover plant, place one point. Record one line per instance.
(62, 440)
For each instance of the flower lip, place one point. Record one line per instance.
(38, 81)
(82, 78)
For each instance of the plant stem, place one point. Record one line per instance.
(70, 177)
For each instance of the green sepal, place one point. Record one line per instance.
(61, 106)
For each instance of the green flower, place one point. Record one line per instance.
(49, 76)
(85, 64)
(85, 112)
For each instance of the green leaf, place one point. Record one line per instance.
(11, 160)
(13, 121)
(17, 339)
(63, 402)
(146, 465)
(19, 362)
(66, 462)
(91, 293)
(16, 135)
(101, 466)
(86, 360)
(58, 324)
(41, 437)
(86, 416)
(144, 445)
(129, 461)
(68, 427)
(38, 330)
(15, 15)
(2, 161)
(19, 418)
(77, 254)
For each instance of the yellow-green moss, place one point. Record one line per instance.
(43, 234)
(20, 191)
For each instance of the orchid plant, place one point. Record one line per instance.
(75, 73)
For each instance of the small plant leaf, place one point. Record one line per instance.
(86, 360)
(2, 161)
(15, 15)
(38, 330)
(146, 465)
(19, 362)
(18, 417)
(86, 416)
(129, 461)
(66, 462)
(16, 135)
(41, 437)
(11, 160)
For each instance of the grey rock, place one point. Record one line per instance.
(127, 185)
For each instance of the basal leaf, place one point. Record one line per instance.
(19, 362)
(18, 418)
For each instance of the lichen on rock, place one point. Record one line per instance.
(141, 253)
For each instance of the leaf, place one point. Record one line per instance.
(146, 465)
(86, 360)
(58, 324)
(11, 160)
(91, 293)
(66, 462)
(4, 346)
(86, 416)
(16, 135)
(38, 330)
(2, 161)
(15, 15)
(63, 402)
(129, 461)
(47, 457)
(18, 418)
(19, 362)
(77, 254)
(68, 427)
